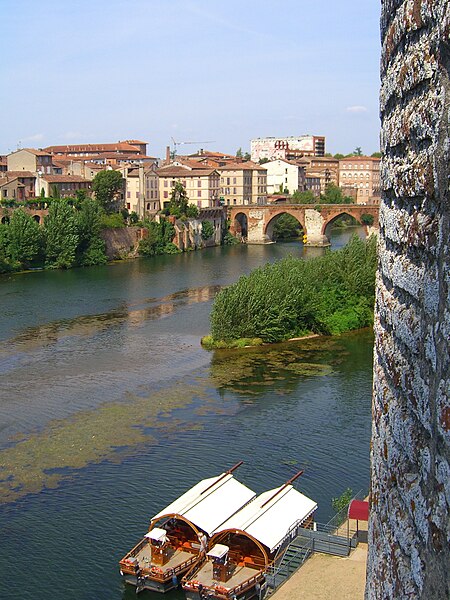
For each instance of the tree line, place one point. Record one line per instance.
(69, 236)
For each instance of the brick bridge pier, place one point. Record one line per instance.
(255, 222)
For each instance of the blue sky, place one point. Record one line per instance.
(195, 70)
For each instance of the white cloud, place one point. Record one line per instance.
(357, 109)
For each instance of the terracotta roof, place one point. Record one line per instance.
(70, 148)
(353, 158)
(39, 152)
(64, 179)
(242, 166)
(183, 172)
(133, 141)
(20, 174)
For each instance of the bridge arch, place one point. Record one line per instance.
(269, 226)
(328, 223)
(240, 225)
(37, 218)
(5, 220)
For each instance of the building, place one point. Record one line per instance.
(127, 147)
(63, 185)
(201, 183)
(324, 168)
(273, 148)
(312, 184)
(141, 193)
(17, 185)
(360, 176)
(243, 183)
(29, 159)
(284, 174)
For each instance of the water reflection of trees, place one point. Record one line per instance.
(252, 371)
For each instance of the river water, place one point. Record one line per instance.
(110, 409)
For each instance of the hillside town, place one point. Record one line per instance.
(275, 169)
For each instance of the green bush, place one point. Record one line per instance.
(207, 230)
(229, 239)
(367, 219)
(112, 221)
(210, 344)
(328, 295)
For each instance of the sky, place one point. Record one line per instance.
(218, 73)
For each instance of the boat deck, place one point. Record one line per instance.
(177, 557)
(205, 576)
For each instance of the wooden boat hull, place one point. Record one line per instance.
(248, 594)
(146, 583)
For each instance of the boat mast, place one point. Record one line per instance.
(236, 466)
(296, 476)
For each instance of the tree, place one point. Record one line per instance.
(207, 230)
(25, 239)
(263, 161)
(286, 227)
(247, 156)
(376, 155)
(306, 197)
(367, 219)
(333, 195)
(338, 155)
(239, 153)
(61, 235)
(178, 200)
(357, 151)
(91, 247)
(107, 185)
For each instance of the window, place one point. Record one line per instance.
(199, 193)
(228, 181)
(148, 205)
(234, 191)
(128, 205)
(165, 183)
(5, 193)
(234, 179)
(166, 194)
(128, 194)
(199, 183)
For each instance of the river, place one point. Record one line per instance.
(110, 409)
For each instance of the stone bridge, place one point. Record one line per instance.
(34, 211)
(255, 222)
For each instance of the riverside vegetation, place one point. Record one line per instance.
(294, 297)
(69, 237)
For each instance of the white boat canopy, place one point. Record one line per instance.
(210, 503)
(269, 523)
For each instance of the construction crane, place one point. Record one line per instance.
(175, 144)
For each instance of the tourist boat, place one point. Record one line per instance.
(178, 535)
(242, 549)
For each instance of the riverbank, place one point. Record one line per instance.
(210, 344)
(323, 577)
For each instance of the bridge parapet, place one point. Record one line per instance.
(255, 222)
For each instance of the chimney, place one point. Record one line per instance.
(167, 154)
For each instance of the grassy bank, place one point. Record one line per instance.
(293, 297)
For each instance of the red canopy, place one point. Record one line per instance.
(358, 510)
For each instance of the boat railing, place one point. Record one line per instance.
(245, 584)
(339, 518)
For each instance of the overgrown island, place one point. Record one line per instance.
(293, 298)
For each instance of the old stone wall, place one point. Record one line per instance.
(122, 242)
(409, 538)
